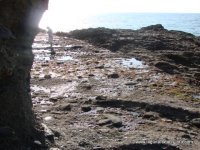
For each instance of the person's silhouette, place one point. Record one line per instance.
(50, 35)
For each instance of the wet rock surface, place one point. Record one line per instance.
(173, 52)
(92, 98)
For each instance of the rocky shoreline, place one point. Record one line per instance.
(118, 89)
(174, 52)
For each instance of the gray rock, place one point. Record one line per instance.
(155, 27)
(100, 109)
(116, 121)
(65, 107)
(195, 122)
(104, 122)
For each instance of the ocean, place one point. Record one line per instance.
(171, 21)
(187, 22)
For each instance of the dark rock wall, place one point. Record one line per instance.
(18, 27)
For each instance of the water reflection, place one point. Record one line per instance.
(196, 96)
(132, 63)
(44, 57)
(64, 58)
(48, 57)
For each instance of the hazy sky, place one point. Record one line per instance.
(99, 6)
(75, 9)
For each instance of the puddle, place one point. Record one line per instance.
(54, 75)
(63, 90)
(36, 88)
(67, 47)
(64, 58)
(57, 46)
(132, 63)
(42, 57)
(47, 57)
(84, 125)
(39, 45)
(48, 118)
(39, 51)
(196, 96)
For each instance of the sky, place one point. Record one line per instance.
(74, 10)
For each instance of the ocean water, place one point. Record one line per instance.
(171, 21)
(187, 22)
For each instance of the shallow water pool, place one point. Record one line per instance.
(132, 63)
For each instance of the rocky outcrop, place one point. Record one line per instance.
(174, 52)
(18, 27)
(153, 37)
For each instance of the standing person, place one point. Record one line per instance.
(50, 35)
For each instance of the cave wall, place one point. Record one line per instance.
(18, 26)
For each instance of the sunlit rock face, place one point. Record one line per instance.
(18, 27)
